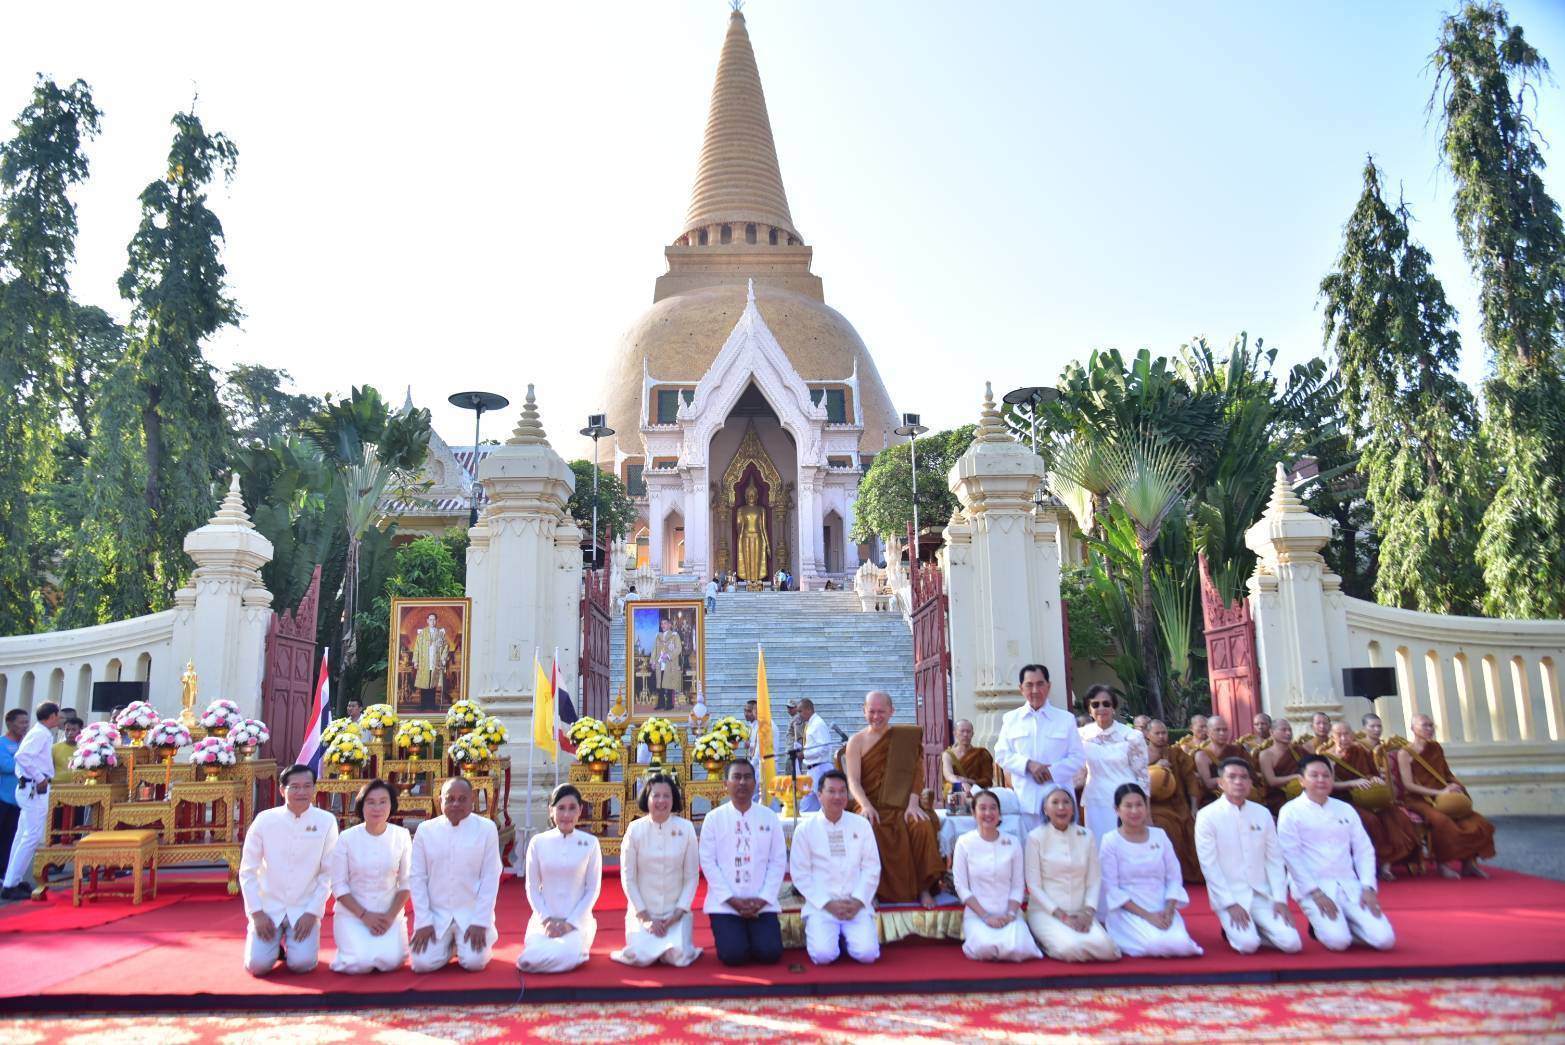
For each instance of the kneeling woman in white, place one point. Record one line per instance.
(1142, 885)
(369, 878)
(1063, 885)
(564, 873)
(987, 866)
(659, 866)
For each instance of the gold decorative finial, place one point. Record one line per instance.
(529, 431)
(991, 427)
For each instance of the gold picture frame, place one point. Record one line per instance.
(448, 650)
(649, 660)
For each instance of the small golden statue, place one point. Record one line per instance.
(187, 694)
(617, 715)
(752, 540)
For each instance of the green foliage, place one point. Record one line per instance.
(429, 567)
(616, 511)
(38, 168)
(1415, 422)
(1514, 240)
(884, 505)
(259, 408)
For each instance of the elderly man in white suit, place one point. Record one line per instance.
(836, 868)
(454, 880)
(1241, 860)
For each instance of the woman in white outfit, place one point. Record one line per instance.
(1063, 885)
(1116, 754)
(659, 866)
(564, 874)
(987, 866)
(1142, 885)
(369, 877)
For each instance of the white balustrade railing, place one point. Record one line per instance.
(61, 666)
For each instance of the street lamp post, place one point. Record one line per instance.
(912, 429)
(1034, 396)
(477, 402)
(596, 429)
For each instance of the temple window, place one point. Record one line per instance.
(727, 234)
(635, 480)
(701, 237)
(771, 237)
(749, 233)
(836, 404)
(668, 406)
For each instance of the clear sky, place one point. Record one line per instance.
(477, 195)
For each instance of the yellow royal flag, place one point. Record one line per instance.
(763, 720)
(543, 710)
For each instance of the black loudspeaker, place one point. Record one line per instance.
(1369, 682)
(106, 696)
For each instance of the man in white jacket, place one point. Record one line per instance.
(1241, 860)
(1038, 745)
(836, 868)
(454, 880)
(1331, 863)
(284, 878)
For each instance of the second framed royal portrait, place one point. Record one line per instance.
(665, 663)
(427, 662)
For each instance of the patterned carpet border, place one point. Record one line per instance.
(1509, 1009)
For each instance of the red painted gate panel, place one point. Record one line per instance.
(594, 663)
(931, 665)
(289, 683)
(1232, 669)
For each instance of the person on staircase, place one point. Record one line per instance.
(815, 734)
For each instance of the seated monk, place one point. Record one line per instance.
(963, 763)
(1373, 739)
(1209, 757)
(885, 767)
(1390, 831)
(1280, 767)
(1175, 814)
(1196, 738)
(1319, 737)
(1260, 733)
(1425, 776)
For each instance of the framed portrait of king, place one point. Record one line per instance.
(665, 656)
(426, 665)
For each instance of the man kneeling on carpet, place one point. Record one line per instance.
(454, 880)
(836, 868)
(564, 874)
(743, 860)
(284, 878)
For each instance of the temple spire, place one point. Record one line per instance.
(738, 179)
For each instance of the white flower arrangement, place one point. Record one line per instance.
(491, 731)
(347, 750)
(170, 733)
(138, 714)
(656, 731)
(413, 733)
(585, 727)
(95, 754)
(734, 730)
(339, 726)
(222, 714)
(464, 714)
(600, 747)
(712, 747)
(250, 732)
(95, 730)
(213, 751)
(378, 716)
(469, 750)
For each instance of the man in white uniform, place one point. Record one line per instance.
(284, 878)
(743, 859)
(454, 881)
(1241, 860)
(1331, 863)
(818, 751)
(778, 760)
(1038, 746)
(34, 774)
(835, 866)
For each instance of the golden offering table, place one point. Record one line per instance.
(110, 850)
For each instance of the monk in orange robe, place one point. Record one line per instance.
(1393, 834)
(965, 763)
(885, 768)
(1425, 774)
(1279, 765)
(1176, 814)
(1220, 746)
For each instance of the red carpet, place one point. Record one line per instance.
(170, 956)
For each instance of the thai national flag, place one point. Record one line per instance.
(311, 750)
(564, 710)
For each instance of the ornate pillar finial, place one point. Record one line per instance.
(991, 427)
(529, 430)
(749, 294)
(232, 511)
(1284, 501)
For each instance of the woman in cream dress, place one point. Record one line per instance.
(1063, 883)
(1116, 754)
(659, 867)
(369, 877)
(564, 874)
(987, 866)
(1142, 886)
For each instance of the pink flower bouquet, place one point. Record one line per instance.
(138, 714)
(250, 732)
(222, 714)
(94, 754)
(170, 733)
(212, 751)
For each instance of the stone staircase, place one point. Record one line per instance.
(819, 644)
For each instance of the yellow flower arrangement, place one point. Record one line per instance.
(712, 747)
(734, 730)
(464, 714)
(469, 750)
(598, 748)
(338, 727)
(378, 716)
(585, 727)
(347, 750)
(414, 733)
(491, 731)
(656, 731)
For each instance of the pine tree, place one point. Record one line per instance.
(38, 167)
(1414, 422)
(1515, 243)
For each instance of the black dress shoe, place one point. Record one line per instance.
(17, 892)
